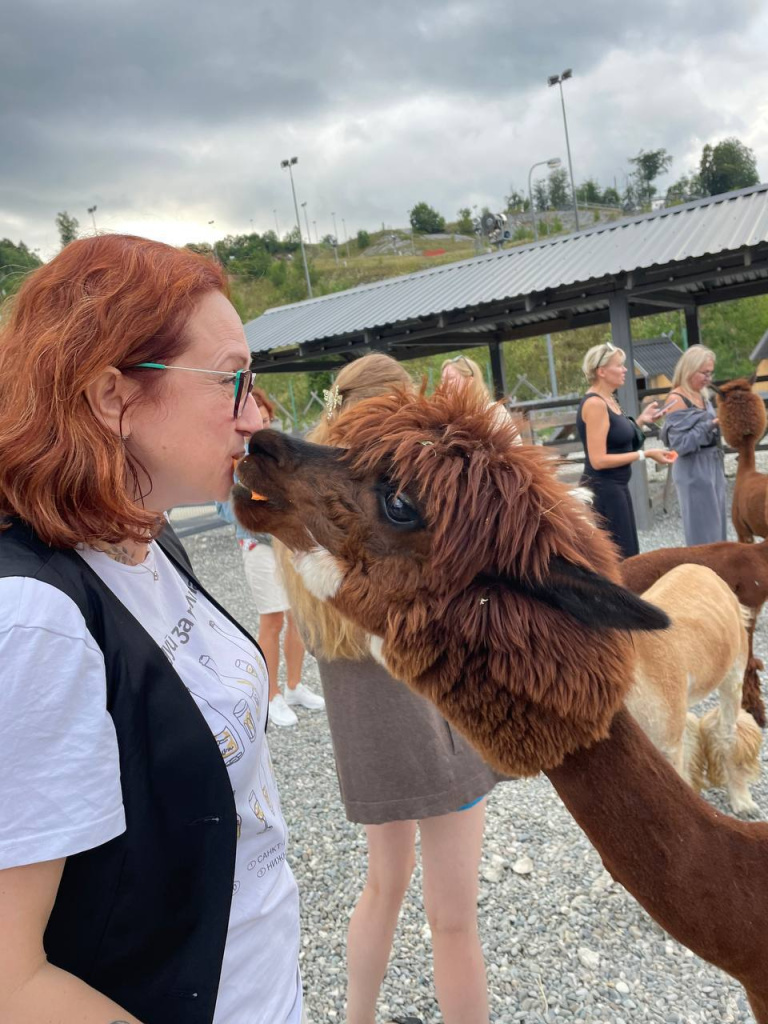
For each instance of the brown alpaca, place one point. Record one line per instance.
(487, 588)
(744, 567)
(742, 422)
(680, 667)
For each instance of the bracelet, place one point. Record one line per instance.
(640, 455)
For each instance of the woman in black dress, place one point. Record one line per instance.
(611, 444)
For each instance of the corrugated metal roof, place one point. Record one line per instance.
(656, 356)
(707, 227)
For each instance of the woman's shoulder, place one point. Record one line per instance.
(29, 604)
(593, 405)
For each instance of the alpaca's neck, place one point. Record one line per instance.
(746, 461)
(703, 876)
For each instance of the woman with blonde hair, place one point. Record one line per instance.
(691, 429)
(612, 442)
(400, 767)
(464, 372)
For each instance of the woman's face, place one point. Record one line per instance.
(614, 371)
(187, 437)
(453, 377)
(266, 419)
(703, 376)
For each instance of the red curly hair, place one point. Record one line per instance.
(114, 300)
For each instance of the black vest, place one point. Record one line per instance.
(143, 918)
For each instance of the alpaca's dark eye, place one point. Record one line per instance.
(398, 508)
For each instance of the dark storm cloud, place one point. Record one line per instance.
(171, 104)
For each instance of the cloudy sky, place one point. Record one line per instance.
(168, 114)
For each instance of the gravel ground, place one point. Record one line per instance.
(561, 940)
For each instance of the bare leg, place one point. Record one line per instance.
(391, 859)
(450, 852)
(293, 649)
(269, 641)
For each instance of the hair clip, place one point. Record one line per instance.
(332, 400)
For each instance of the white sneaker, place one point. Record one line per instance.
(280, 713)
(303, 697)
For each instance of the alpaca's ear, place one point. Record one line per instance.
(590, 598)
(752, 378)
(715, 388)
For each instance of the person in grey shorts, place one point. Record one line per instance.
(402, 769)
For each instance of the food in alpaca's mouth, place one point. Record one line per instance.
(255, 496)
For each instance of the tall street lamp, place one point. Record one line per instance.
(314, 225)
(335, 239)
(346, 236)
(277, 226)
(92, 211)
(553, 162)
(306, 220)
(558, 80)
(288, 164)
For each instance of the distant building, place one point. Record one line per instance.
(760, 357)
(655, 361)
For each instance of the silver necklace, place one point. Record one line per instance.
(149, 568)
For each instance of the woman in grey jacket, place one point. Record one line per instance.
(691, 429)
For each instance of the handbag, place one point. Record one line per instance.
(639, 440)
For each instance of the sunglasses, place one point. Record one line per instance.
(462, 359)
(242, 380)
(608, 351)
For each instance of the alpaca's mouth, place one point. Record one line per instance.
(246, 493)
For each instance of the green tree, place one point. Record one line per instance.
(611, 197)
(363, 239)
(589, 192)
(465, 224)
(516, 201)
(16, 261)
(727, 166)
(559, 189)
(427, 220)
(683, 190)
(244, 255)
(648, 166)
(68, 227)
(541, 194)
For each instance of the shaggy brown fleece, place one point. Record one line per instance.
(495, 595)
(743, 422)
(507, 546)
(744, 567)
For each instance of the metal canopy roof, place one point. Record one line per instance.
(682, 257)
(655, 357)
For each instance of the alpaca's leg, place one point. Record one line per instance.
(752, 695)
(731, 740)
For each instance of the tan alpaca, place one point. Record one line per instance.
(705, 649)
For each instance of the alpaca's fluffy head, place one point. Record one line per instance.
(741, 412)
(486, 579)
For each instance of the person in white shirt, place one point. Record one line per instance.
(125, 390)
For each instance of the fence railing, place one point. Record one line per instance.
(564, 437)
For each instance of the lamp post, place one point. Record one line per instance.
(288, 164)
(306, 221)
(553, 162)
(277, 226)
(335, 240)
(346, 236)
(314, 225)
(558, 80)
(92, 211)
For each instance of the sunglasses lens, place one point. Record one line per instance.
(243, 388)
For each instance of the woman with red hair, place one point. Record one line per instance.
(142, 846)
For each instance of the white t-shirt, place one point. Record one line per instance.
(59, 769)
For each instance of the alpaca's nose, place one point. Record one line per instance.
(269, 444)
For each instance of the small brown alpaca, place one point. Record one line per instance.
(742, 422)
(486, 587)
(704, 650)
(744, 567)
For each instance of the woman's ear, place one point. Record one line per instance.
(108, 397)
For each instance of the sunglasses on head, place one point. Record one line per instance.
(462, 359)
